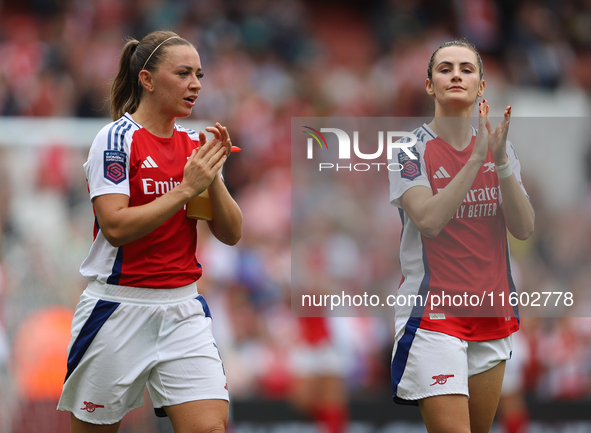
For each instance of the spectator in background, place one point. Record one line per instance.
(319, 388)
(39, 367)
(4, 346)
(513, 411)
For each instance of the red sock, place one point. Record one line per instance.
(517, 422)
(333, 417)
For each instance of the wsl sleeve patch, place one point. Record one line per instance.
(114, 166)
(411, 168)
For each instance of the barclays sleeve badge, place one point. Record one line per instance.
(114, 165)
(411, 168)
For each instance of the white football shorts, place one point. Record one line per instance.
(316, 360)
(127, 338)
(430, 363)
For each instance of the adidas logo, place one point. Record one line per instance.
(149, 163)
(439, 174)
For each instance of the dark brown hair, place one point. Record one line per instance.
(126, 90)
(461, 42)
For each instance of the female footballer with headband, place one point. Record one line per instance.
(141, 322)
(457, 200)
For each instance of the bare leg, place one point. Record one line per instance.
(77, 426)
(304, 396)
(324, 399)
(332, 410)
(485, 392)
(333, 390)
(446, 413)
(200, 416)
(455, 413)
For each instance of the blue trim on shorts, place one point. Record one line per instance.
(101, 312)
(401, 356)
(201, 299)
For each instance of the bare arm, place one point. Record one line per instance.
(226, 223)
(517, 210)
(121, 224)
(430, 213)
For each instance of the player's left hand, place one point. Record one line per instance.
(497, 138)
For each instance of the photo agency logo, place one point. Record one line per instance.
(396, 141)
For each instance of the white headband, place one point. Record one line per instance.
(150, 56)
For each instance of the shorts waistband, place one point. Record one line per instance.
(111, 292)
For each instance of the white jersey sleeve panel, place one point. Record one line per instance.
(413, 172)
(107, 167)
(193, 135)
(101, 252)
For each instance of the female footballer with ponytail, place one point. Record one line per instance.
(141, 321)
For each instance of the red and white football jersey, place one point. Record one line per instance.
(470, 256)
(127, 159)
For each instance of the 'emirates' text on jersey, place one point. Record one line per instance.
(470, 255)
(127, 159)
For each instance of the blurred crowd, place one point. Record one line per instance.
(264, 63)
